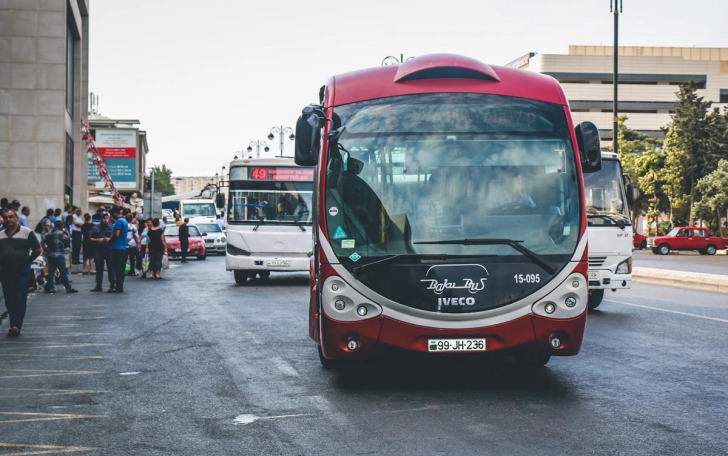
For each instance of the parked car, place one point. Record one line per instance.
(639, 241)
(215, 240)
(687, 238)
(196, 243)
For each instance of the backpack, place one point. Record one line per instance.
(40, 227)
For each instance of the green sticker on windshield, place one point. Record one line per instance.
(354, 257)
(340, 233)
(347, 243)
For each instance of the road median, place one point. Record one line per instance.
(683, 279)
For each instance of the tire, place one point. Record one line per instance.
(328, 364)
(241, 277)
(264, 275)
(643, 246)
(663, 249)
(595, 298)
(711, 249)
(702, 252)
(654, 250)
(202, 257)
(533, 360)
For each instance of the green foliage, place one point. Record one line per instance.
(714, 191)
(163, 180)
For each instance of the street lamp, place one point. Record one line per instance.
(615, 6)
(280, 131)
(258, 145)
(392, 60)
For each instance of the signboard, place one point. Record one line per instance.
(273, 173)
(118, 148)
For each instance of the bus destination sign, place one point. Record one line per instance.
(275, 173)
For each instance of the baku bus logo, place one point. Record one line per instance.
(470, 277)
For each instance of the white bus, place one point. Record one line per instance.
(269, 220)
(609, 229)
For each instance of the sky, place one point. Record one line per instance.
(205, 78)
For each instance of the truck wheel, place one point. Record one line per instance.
(595, 298)
(654, 250)
(264, 275)
(710, 250)
(533, 360)
(328, 364)
(643, 245)
(241, 277)
(663, 249)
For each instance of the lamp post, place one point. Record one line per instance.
(258, 145)
(615, 6)
(392, 60)
(280, 131)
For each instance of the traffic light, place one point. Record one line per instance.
(147, 184)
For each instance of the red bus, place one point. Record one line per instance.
(448, 212)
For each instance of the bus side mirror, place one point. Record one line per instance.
(220, 201)
(630, 194)
(587, 138)
(308, 138)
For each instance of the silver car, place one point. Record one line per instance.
(215, 240)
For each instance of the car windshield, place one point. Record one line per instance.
(198, 210)
(606, 202)
(173, 230)
(209, 228)
(451, 166)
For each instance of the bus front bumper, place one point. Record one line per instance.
(605, 279)
(270, 262)
(528, 334)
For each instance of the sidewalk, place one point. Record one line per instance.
(683, 279)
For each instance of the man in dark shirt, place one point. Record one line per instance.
(101, 236)
(184, 239)
(18, 248)
(55, 244)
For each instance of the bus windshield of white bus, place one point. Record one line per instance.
(270, 194)
(409, 172)
(198, 210)
(606, 200)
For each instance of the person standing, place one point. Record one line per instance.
(45, 225)
(76, 236)
(19, 247)
(23, 217)
(118, 248)
(156, 248)
(101, 237)
(96, 218)
(143, 247)
(57, 215)
(55, 244)
(163, 223)
(184, 239)
(132, 245)
(88, 246)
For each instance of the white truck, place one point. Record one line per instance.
(608, 197)
(269, 220)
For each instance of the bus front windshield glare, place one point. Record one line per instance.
(427, 168)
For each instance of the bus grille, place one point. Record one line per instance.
(597, 261)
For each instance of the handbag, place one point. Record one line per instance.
(145, 263)
(165, 262)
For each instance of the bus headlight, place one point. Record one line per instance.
(625, 267)
(549, 308)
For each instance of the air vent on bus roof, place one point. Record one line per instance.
(444, 66)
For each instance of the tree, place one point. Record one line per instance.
(673, 177)
(163, 180)
(714, 189)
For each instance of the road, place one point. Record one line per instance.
(194, 365)
(682, 261)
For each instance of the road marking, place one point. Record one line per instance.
(11, 346)
(44, 392)
(43, 373)
(722, 320)
(285, 367)
(33, 417)
(45, 449)
(247, 419)
(254, 338)
(325, 406)
(129, 373)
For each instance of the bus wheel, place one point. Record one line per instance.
(595, 298)
(264, 275)
(328, 364)
(241, 277)
(533, 360)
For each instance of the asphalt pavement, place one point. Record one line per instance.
(195, 365)
(687, 261)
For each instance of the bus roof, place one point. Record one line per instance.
(439, 73)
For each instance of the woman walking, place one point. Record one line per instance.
(88, 246)
(132, 246)
(143, 247)
(157, 248)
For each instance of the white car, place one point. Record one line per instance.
(215, 240)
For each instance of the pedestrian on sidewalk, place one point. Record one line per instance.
(101, 238)
(57, 215)
(55, 244)
(76, 236)
(19, 247)
(118, 247)
(184, 239)
(23, 217)
(163, 223)
(143, 246)
(45, 225)
(88, 246)
(156, 248)
(132, 246)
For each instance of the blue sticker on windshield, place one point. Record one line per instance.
(340, 233)
(355, 257)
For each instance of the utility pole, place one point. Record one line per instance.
(151, 199)
(615, 6)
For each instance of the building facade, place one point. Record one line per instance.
(648, 80)
(44, 48)
(189, 184)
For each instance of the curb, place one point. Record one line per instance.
(683, 279)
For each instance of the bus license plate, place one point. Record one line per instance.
(593, 275)
(279, 263)
(455, 345)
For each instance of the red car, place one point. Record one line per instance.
(687, 238)
(196, 242)
(639, 241)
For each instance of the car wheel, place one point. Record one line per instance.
(702, 252)
(643, 245)
(595, 298)
(711, 249)
(533, 360)
(663, 249)
(241, 277)
(654, 250)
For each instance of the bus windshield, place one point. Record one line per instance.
(412, 170)
(605, 196)
(198, 210)
(270, 194)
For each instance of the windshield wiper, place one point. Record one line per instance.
(257, 225)
(411, 256)
(509, 242)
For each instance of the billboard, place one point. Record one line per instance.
(118, 148)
